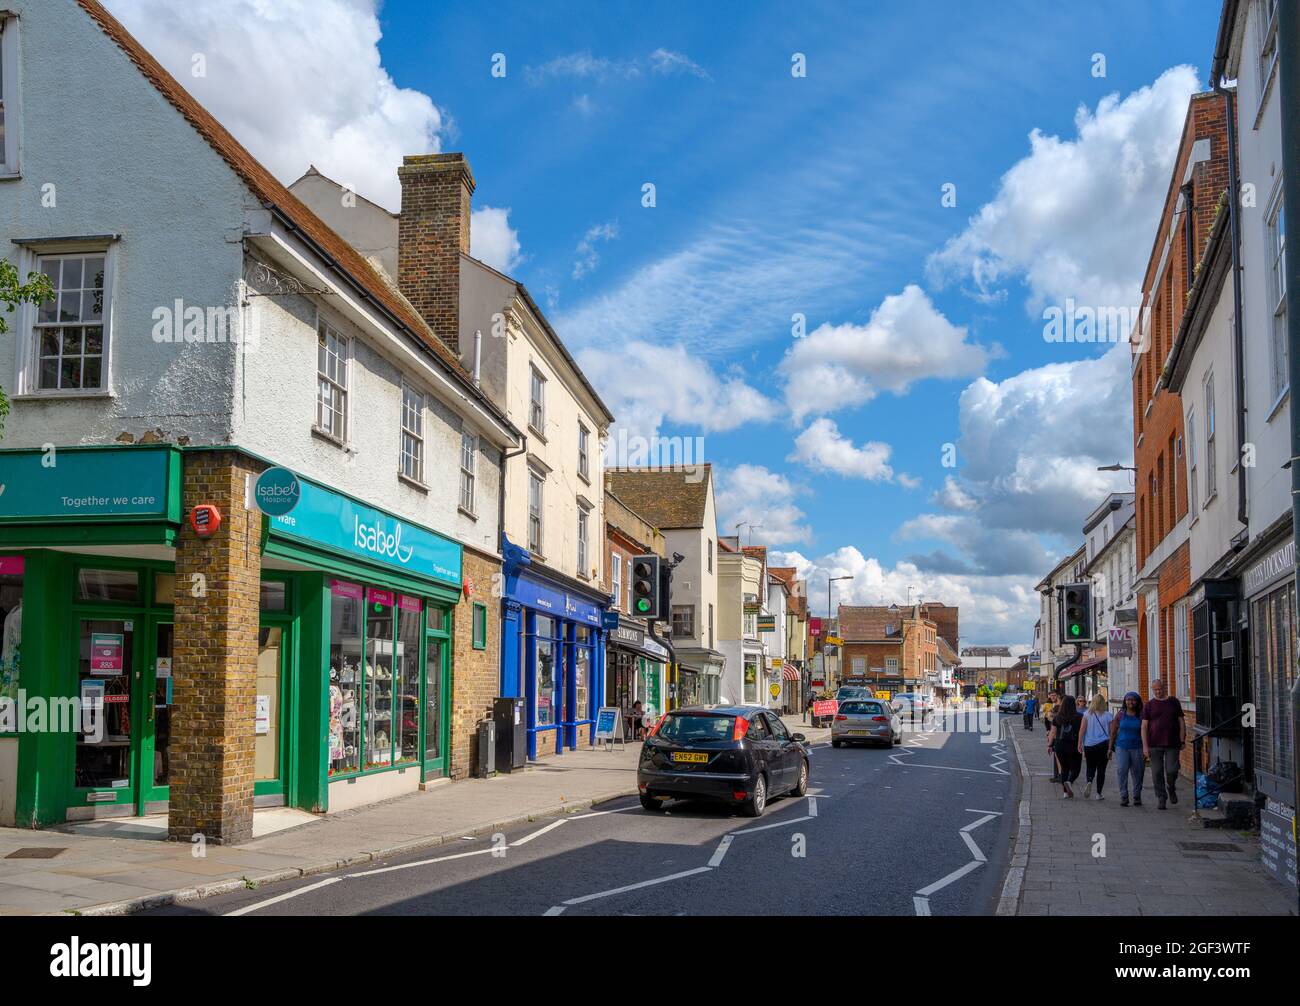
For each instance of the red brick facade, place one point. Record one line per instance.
(475, 673)
(432, 234)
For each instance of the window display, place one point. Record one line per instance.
(406, 724)
(548, 681)
(345, 678)
(11, 634)
(582, 710)
(103, 756)
(382, 654)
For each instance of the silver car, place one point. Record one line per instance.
(866, 721)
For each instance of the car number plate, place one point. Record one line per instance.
(859, 732)
(690, 756)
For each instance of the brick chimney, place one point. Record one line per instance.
(432, 232)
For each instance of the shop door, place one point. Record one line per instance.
(269, 745)
(153, 736)
(108, 729)
(434, 725)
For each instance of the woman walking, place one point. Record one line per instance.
(1094, 743)
(1126, 745)
(1063, 741)
(1048, 707)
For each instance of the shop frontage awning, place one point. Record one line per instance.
(790, 673)
(1085, 667)
(630, 636)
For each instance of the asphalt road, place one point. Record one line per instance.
(919, 829)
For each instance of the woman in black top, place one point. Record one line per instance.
(1064, 741)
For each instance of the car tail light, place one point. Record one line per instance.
(739, 794)
(880, 719)
(739, 730)
(840, 716)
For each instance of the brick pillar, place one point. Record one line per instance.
(432, 232)
(214, 666)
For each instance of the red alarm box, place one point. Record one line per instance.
(205, 519)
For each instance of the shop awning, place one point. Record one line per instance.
(1085, 667)
(790, 673)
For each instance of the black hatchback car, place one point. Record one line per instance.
(743, 755)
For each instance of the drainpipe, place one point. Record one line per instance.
(1234, 217)
(501, 485)
(1288, 97)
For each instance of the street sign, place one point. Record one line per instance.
(834, 641)
(766, 623)
(825, 707)
(609, 726)
(774, 690)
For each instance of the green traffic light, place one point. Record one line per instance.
(642, 604)
(1075, 630)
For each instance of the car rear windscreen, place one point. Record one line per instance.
(696, 729)
(861, 708)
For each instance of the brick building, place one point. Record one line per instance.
(889, 648)
(1199, 178)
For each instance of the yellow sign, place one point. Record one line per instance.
(885, 696)
(834, 641)
(775, 690)
(776, 663)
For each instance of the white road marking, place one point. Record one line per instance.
(635, 887)
(812, 806)
(423, 862)
(778, 824)
(988, 816)
(602, 813)
(537, 834)
(555, 910)
(723, 846)
(975, 850)
(995, 813)
(284, 897)
(939, 885)
(922, 905)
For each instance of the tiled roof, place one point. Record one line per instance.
(666, 498)
(787, 574)
(266, 187)
(861, 623)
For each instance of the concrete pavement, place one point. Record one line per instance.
(1089, 857)
(125, 865)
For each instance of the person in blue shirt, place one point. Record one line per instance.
(1126, 748)
(1031, 710)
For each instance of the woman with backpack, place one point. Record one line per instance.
(1094, 743)
(1063, 741)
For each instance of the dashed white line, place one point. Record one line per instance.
(778, 824)
(957, 874)
(423, 862)
(922, 905)
(284, 897)
(536, 834)
(723, 846)
(636, 887)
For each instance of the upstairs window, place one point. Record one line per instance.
(71, 327)
(9, 117)
(1211, 486)
(616, 577)
(1277, 291)
(534, 511)
(332, 383)
(537, 401)
(468, 457)
(584, 520)
(412, 434)
(584, 443)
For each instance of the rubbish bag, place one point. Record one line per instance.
(1226, 775)
(1207, 791)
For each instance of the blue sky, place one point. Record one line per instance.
(779, 196)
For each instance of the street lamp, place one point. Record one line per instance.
(1116, 467)
(829, 581)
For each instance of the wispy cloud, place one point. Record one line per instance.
(588, 258)
(584, 65)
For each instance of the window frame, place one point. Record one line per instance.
(1182, 652)
(11, 101)
(417, 437)
(468, 475)
(1193, 486)
(584, 532)
(1211, 422)
(477, 611)
(1275, 256)
(327, 328)
(536, 400)
(687, 610)
(616, 578)
(536, 543)
(584, 452)
(28, 355)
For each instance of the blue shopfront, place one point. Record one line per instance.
(552, 652)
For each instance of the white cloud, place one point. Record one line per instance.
(634, 381)
(297, 82)
(585, 66)
(492, 239)
(953, 497)
(588, 258)
(754, 495)
(1076, 217)
(908, 481)
(906, 340)
(992, 608)
(822, 447)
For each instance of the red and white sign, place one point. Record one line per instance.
(825, 707)
(205, 519)
(105, 653)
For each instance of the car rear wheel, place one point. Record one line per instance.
(755, 805)
(896, 740)
(836, 744)
(801, 787)
(650, 803)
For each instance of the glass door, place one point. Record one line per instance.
(154, 735)
(435, 669)
(269, 742)
(109, 728)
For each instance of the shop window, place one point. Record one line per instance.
(11, 635)
(480, 626)
(581, 705)
(1273, 644)
(103, 758)
(548, 678)
(751, 680)
(381, 660)
(119, 585)
(345, 678)
(434, 620)
(274, 595)
(406, 687)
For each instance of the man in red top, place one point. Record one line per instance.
(1164, 732)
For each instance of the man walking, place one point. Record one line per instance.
(1031, 709)
(1164, 732)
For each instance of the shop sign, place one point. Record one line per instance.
(555, 602)
(776, 663)
(127, 481)
(106, 652)
(380, 598)
(277, 492)
(774, 690)
(1277, 842)
(1119, 642)
(610, 620)
(327, 518)
(406, 603)
(1275, 566)
(766, 623)
(11, 565)
(814, 626)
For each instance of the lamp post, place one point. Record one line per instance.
(829, 581)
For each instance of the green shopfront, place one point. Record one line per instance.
(353, 655)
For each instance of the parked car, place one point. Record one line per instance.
(741, 755)
(912, 705)
(1011, 702)
(866, 721)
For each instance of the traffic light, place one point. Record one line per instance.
(647, 593)
(1076, 613)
